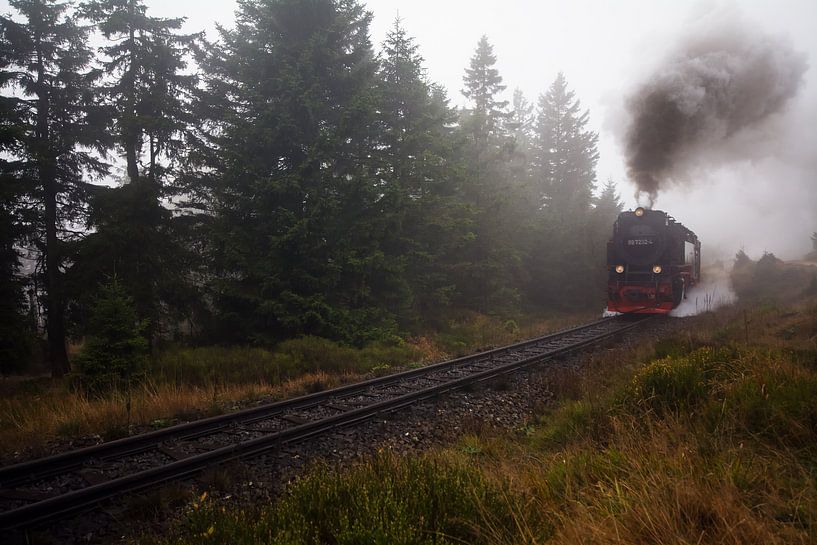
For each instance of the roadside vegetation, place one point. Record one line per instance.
(181, 383)
(706, 437)
(769, 279)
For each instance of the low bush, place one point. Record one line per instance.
(475, 331)
(567, 423)
(202, 366)
(584, 467)
(675, 384)
(313, 354)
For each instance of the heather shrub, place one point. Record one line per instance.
(675, 384)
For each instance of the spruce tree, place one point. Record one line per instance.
(15, 223)
(147, 88)
(288, 135)
(483, 87)
(115, 353)
(419, 181)
(59, 125)
(520, 122)
(564, 153)
(15, 337)
(563, 160)
(520, 125)
(146, 82)
(607, 206)
(489, 271)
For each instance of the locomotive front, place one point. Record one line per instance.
(652, 259)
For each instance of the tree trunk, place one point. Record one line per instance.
(53, 283)
(47, 170)
(131, 130)
(154, 153)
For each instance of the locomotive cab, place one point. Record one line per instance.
(652, 260)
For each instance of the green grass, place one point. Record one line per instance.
(389, 501)
(676, 384)
(711, 440)
(290, 359)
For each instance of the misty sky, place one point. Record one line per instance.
(768, 203)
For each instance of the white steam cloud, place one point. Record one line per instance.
(712, 293)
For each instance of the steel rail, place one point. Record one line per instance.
(82, 499)
(25, 472)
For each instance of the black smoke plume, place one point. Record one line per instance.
(719, 82)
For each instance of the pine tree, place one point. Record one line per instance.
(483, 123)
(608, 204)
(59, 124)
(147, 81)
(148, 89)
(742, 259)
(483, 87)
(520, 121)
(419, 182)
(291, 98)
(520, 128)
(490, 266)
(564, 153)
(564, 157)
(607, 207)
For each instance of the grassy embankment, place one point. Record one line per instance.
(185, 383)
(706, 437)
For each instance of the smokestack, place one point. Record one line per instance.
(719, 82)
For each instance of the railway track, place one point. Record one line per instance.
(86, 477)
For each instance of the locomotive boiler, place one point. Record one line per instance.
(652, 261)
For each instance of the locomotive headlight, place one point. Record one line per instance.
(657, 269)
(639, 211)
(619, 269)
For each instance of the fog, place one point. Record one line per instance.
(760, 193)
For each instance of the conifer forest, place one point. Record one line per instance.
(288, 178)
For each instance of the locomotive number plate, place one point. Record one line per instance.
(639, 242)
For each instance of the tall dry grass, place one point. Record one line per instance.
(185, 383)
(56, 412)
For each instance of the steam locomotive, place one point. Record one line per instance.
(652, 260)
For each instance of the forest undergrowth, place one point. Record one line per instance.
(709, 436)
(184, 383)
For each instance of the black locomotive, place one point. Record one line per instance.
(652, 260)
